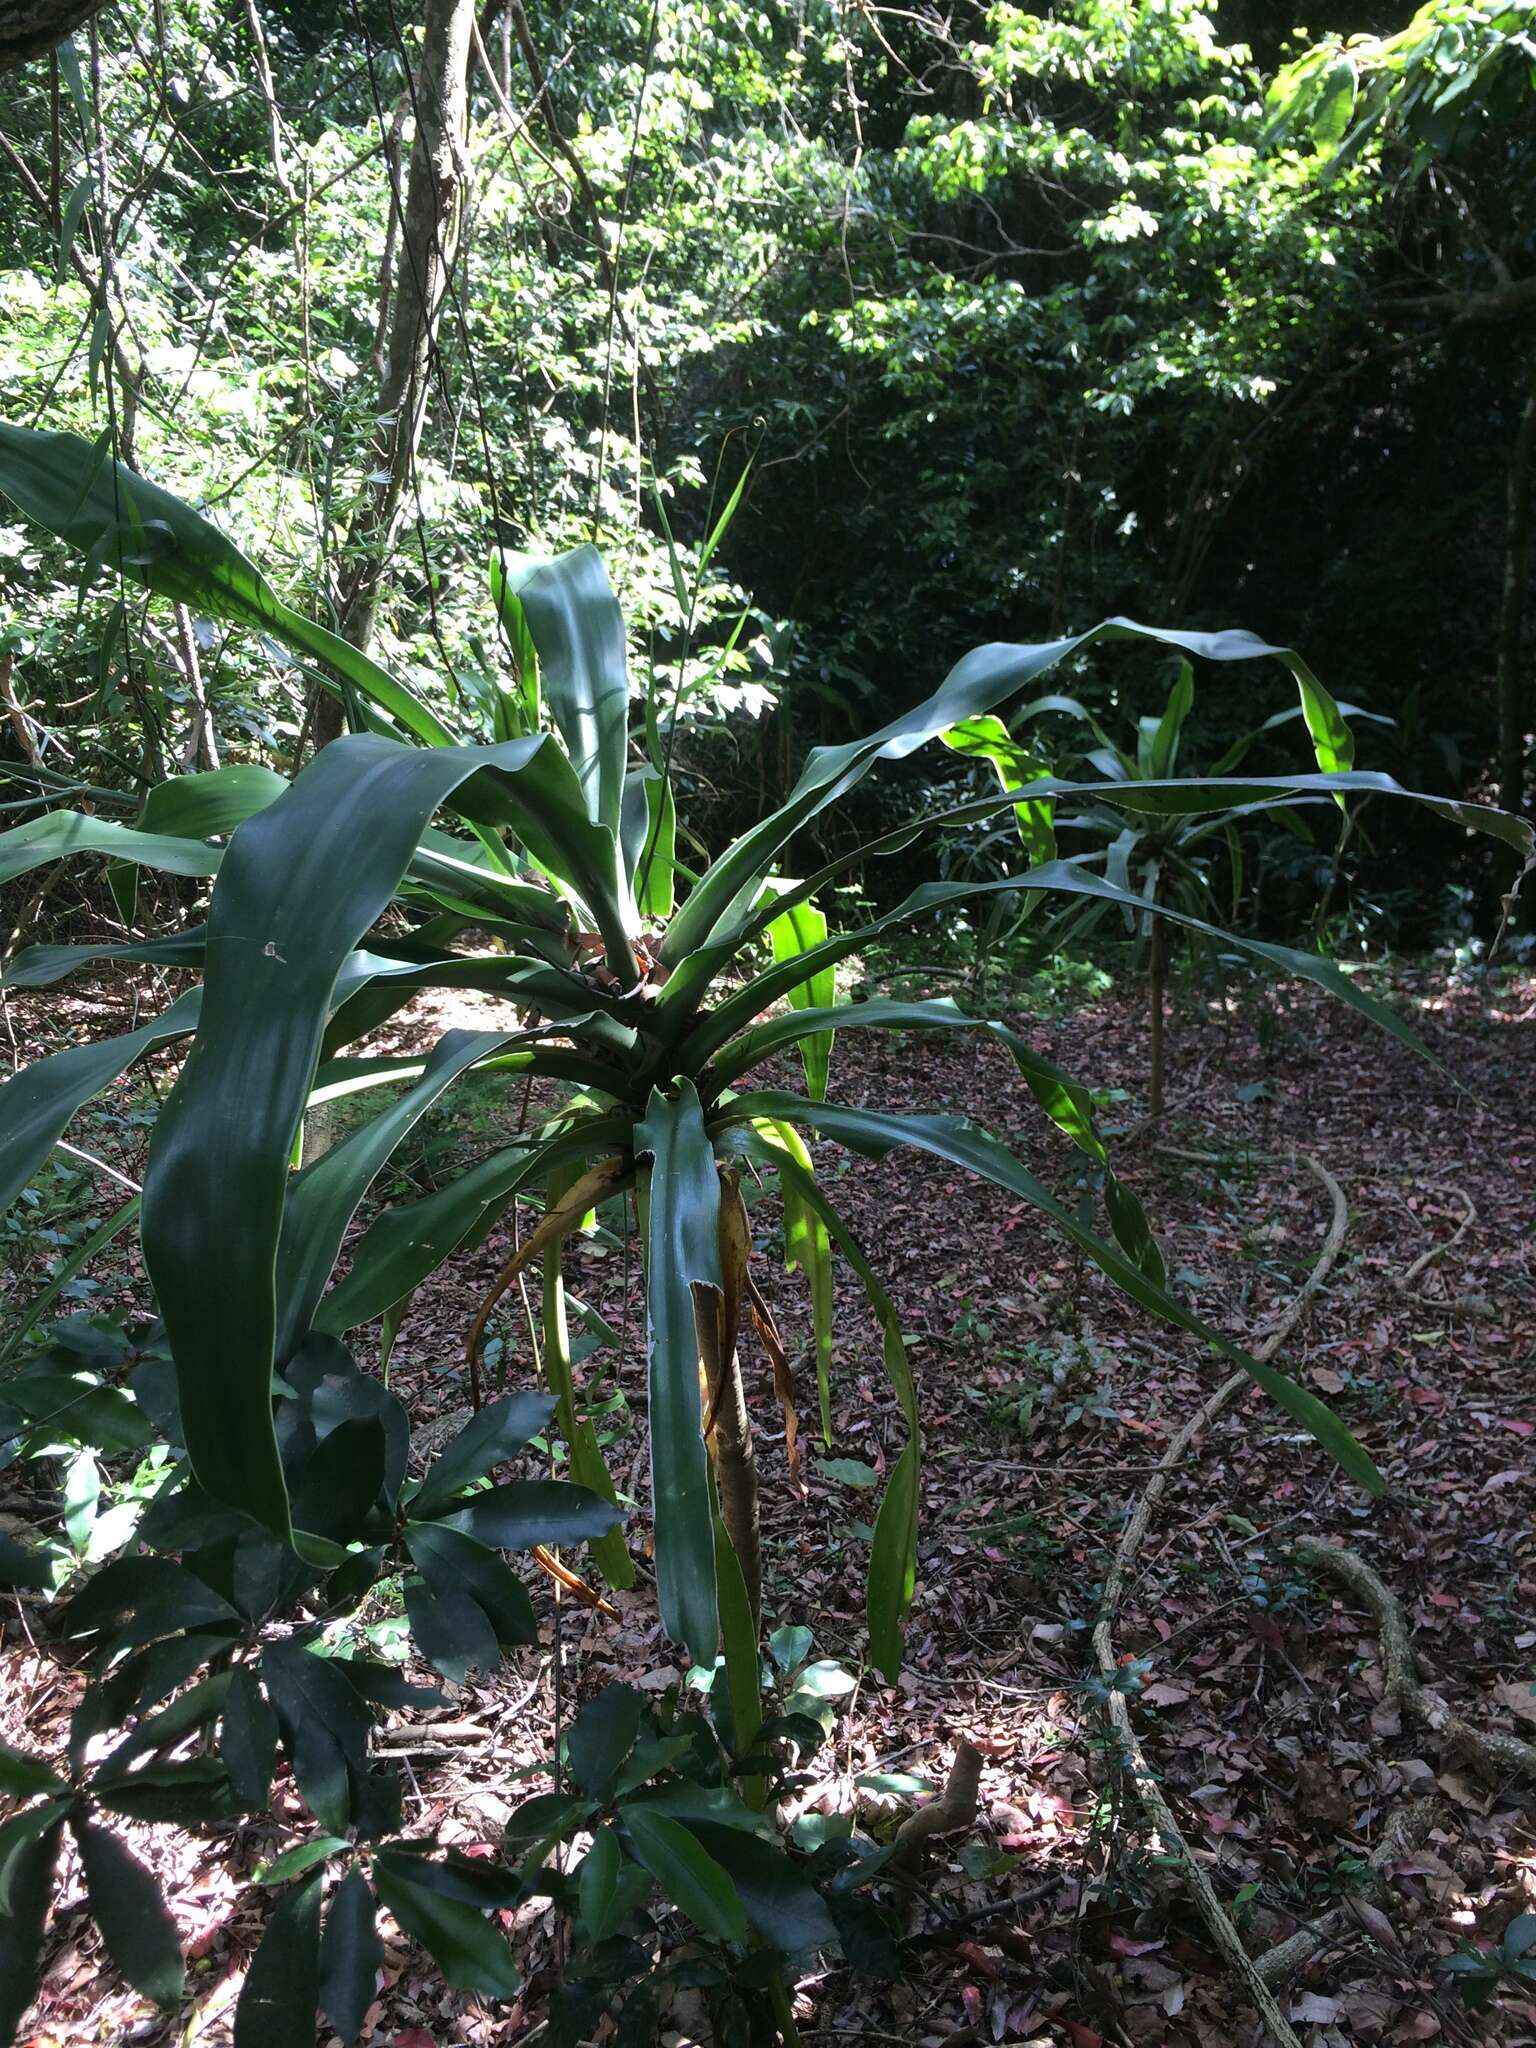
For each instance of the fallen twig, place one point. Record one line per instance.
(1217, 1920)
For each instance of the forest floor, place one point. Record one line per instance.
(1255, 1681)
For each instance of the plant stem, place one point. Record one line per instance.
(1157, 969)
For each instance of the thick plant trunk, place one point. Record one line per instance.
(1513, 697)
(729, 1426)
(31, 28)
(432, 215)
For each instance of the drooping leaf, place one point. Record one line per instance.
(323, 1199)
(876, 1132)
(893, 1551)
(402, 1246)
(299, 885)
(37, 1104)
(610, 1554)
(984, 679)
(350, 1955)
(683, 1253)
(281, 1993)
(126, 1905)
(119, 520)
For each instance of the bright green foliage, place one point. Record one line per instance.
(278, 1497)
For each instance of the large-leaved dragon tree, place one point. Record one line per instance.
(552, 882)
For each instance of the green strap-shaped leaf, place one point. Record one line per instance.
(808, 1250)
(1058, 878)
(60, 834)
(876, 1132)
(299, 885)
(988, 739)
(401, 1247)
(37, 1104)
(574, 619)
(650, 840)
(692, 975)
(209, 805)
(682, 1238)
(609, 1553)
(986, 678)
(323, 1199)
(1157, 746)
(119, 520)
(893, 1552)
(798, 931)
(1067, 1103)
(42, 966)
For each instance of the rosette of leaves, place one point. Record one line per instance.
(647, 997)
(1164, 863)
(219, 1668)
(662, 1814)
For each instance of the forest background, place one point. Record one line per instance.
(1010, 320)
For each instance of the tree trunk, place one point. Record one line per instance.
(31, 28)
(429, 234)
(1512, 696)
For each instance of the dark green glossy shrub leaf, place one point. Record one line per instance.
(689, 1875)
(350, 1955)
(529, 1511)
(784, 1908)
(29, 1874)
(471, 1953)
(282, 1987)
(602, 1736)
(493, 1436)
(126, 1905)
(248, 1739)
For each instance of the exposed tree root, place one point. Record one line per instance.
(1499, 1757)
(1402, 1834)
(1148, 1790)
(952, 1813)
